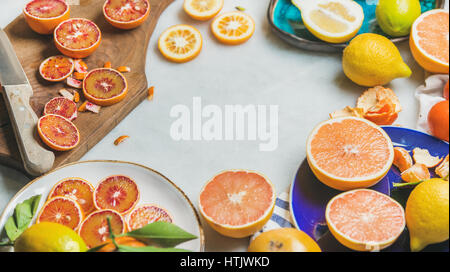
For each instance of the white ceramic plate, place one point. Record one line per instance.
(154, 187)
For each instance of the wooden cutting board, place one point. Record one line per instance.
(121, 47)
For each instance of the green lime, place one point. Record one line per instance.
(396, 17)
(49, 237)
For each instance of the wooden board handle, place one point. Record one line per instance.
(36, 159)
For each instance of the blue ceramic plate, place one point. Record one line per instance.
(286, 20)
(309, 196)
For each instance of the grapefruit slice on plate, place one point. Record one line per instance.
(56, 68)
(94, 229)
(43, 16)
(233, 28)
(77, 189)
(61, 210)
(147, 214)
(237, 203)
(429, 41)
(105, 86)
(180, 43)
(126, 14)
(365, 220)
(77, 37)
(349, 153)
(119, 193)
(202, 10)
(58, 132)
(61, 106)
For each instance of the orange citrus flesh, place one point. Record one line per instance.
(77, 37)
(126, 10)
(63, 211)
(58, 132)
(46, 8)
(237, 203)
(56, 68)
(180, 43)
(61, 106)
(402, 159)
(147, 214)
(123, 241)
(365, 220)
(119, 193)
(233, 27)
(105, 86)
(349, 153)
(203, 10)
(77, 189)
(94, 229)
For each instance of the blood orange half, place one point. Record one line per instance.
(61, 210)
(94, 229)
(61, 106)
(105, 86)
(76, 189)
(147, 214)
(58, 132)
(77, 37)
(237, 203)
(126, 14)
(119, 193)
(56, 68)
(365, 220)
(349, 153)
(44, 15)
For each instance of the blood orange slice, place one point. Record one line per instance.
(77, 37)
(365, 220)
(429, 41)
(126, 14)
(349, 153)
(61, 106)
(119, 193)
(58, 132)
(44, 15)
(76, 189)
(56, 68)
(94, 229)
(105, 86)
(237, 203)
(147, 214)
(61, 210)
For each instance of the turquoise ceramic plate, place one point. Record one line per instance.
(286, 21)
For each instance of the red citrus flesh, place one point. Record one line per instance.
(56, 68)
(61, 210)
(46, 8)
(147, 214)
(94, 229)
(126, 10)
(105, 86)
(78, 190)
(58, 132)
(119, 193)
(61, 106)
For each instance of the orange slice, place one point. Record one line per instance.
(94, 229)
(105, 86)
(126, 14)
(56, 68)
(77, 37)
(233, 28)
(402, 159)
(443, 169)
(202, 10)
(424, 157)
(147, 214)
(43, 16)
(61, 210)
(119, 193)
(123, 241)
(61, 106)
(180, 43)
(237, 203)
(365, 220)
(417, 172)
(77, 189)
(429, 41)
(58, 132)
(349, 153)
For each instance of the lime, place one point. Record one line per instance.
(396, 17)
(49, 237)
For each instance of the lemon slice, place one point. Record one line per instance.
(202, 10)
(333, 21)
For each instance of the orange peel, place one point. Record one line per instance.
(443, 169)
(402, 159)
(424, 157)
(416, 173)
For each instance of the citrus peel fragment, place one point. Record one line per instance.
(417, 172)
(424, 157)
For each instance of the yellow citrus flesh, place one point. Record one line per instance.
(283, 240)
(203, 10)
(180, 43)
(233, 28)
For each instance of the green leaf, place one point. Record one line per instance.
(163, 234)
(22, 217)
(240, 8)
(149, 249)
(97, 248)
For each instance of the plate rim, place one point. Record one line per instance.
(170, 182)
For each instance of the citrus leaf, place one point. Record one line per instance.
(150, 249)
(22, 217)
(163, 234)
(97, 248)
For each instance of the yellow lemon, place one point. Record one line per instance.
(49, 237)
(427, 213)
(284, 240)
(371, 60)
